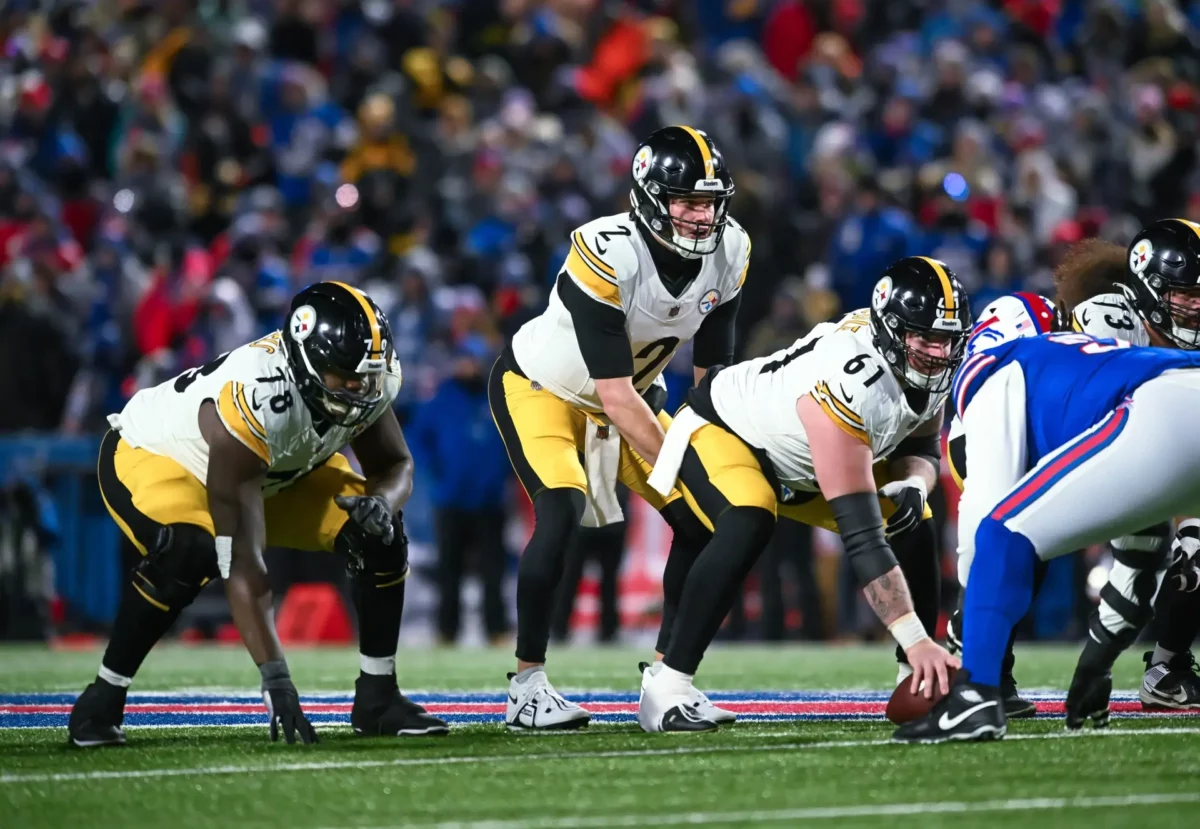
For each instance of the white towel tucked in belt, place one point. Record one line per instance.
(601, 463)
(670, 457)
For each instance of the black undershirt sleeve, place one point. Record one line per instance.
(713, 344)
(600, 331)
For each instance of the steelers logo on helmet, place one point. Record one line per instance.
(304, 320)
(1139, 256)
(709, 301)
(641, 163)
(883, 290)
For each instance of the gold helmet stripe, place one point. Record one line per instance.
(949, 308)
(702, 143)
(372, 318)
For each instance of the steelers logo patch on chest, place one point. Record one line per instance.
(709, 301)
(1139, 257)
(304, 320)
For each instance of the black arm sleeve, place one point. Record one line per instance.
(928, 447)
(860, 523)
(600, 331)
(713, 344)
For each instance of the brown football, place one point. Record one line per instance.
(904, 706)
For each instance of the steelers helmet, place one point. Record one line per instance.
(680, 163)
(1165, 258)
(919, 295)
(339, 347)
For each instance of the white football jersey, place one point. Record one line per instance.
(838, 364)
(256, 399)
(611, 263)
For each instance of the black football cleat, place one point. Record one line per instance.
(380, 710)
(969, 713)
(97, 715)
(1088, 698)
(1016, 707)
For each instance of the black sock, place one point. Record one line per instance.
(1178, 618)
(714, 580)
(556, 514)
(139, 625)
(379, 611)
(919, 555)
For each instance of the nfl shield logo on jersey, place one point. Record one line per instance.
(709, 301)
(304, 320)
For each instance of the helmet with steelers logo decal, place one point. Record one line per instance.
(339, 347)
(681, 190)
(920, 322)
(1163, 280)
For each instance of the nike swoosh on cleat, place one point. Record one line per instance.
(512, 699)
(947, 722)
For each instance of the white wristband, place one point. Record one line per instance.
(224, 544)
(908, 630)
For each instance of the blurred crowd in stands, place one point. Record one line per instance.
(171, 172)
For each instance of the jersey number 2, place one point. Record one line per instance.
(188, 377)
(661, 349)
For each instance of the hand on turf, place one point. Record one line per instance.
(371, 512)
(283, 707)
(909, 496)
(929, 660)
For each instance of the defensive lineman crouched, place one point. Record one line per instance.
(203, 471)
(799, 433)
(568, 396)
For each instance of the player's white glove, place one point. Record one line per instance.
(909, 496)
(371, 512)
(1184, 571)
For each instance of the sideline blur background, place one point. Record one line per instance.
(172, 172)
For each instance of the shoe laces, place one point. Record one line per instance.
(1185, 663)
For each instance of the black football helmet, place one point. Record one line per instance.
(674, 163)
(1165, 259)
(919, 295)
(336, 334)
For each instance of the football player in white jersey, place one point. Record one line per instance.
(568, 394)
(205, 470)
(801, 433)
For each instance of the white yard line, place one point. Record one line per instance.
(660, 818)
(208, 771)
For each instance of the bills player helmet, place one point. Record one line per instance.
(339, 346)
(681, 163)
(918, 297)
(1163, 280)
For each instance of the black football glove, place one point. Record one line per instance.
(909, 496)
(371, 512)
(283, 705)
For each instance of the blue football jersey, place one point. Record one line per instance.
(1072, 381)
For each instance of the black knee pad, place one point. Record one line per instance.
(751, 525)
(683, 522)
(370, 560)
(559, 509)
(183, 560)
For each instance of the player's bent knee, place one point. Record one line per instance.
(372, 560)
(172, 574)
(754, 525)
(558, 510)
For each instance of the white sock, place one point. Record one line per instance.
(672, 681)
(377, 665)
(523, 676)
(114, 678)
(1161, 654)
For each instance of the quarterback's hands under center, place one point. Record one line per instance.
(928, 660)
(371, 512)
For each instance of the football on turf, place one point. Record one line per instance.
(905, 706)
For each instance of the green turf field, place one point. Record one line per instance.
(794, 773)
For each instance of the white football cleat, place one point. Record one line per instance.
(668, 704)
(700, 701)
(534, 705)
